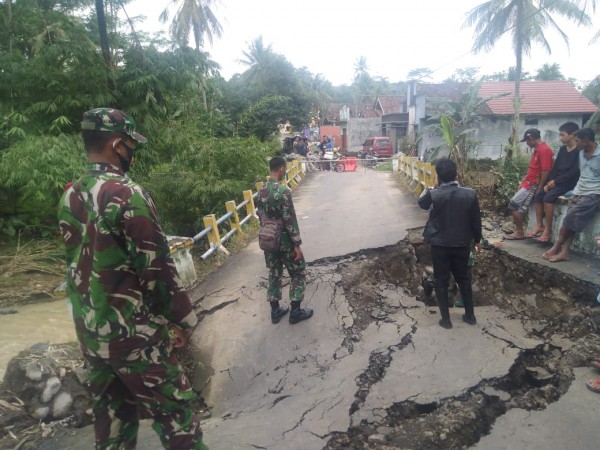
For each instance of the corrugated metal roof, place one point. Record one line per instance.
(537, 97)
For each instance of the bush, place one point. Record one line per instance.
(511, 172)
(205, 175)
(33, 174)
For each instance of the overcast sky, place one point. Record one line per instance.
(395, 36)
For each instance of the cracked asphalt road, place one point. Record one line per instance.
(293, 387)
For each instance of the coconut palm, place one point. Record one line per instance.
(193, 16)
(526, 21)
(259, 59)
(257, 54)
(549, 72)
(361, 68)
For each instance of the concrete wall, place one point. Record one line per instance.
(493, 133)
(333, 131)
(585, 242)
(358, 130)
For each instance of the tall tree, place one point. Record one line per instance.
(193, 16)
(549, 72)
(419, 73)
(526, 21)
(102, 29)
(363, 84)
(361, 68)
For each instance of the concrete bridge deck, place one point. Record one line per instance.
(290, 387)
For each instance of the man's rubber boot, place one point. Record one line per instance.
(444, 323)
(298, 314)
(469, 320)
(277, 314)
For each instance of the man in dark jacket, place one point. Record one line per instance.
(454, 224)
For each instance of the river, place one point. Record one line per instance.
(42, 322)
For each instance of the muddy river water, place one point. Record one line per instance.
(43, 322)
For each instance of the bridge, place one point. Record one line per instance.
(373, 359)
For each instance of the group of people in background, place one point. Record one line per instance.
(575, 173)
(316, 154)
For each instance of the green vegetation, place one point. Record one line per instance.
(209, 138)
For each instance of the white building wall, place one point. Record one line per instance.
(359, 130)
(493, 133)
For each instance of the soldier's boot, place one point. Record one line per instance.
(299, 314)
(277, 312)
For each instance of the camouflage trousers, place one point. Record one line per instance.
(275, 262)
(145, 385)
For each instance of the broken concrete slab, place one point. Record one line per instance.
(466, 355)
(568, 423)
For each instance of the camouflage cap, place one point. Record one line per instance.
(108, 119)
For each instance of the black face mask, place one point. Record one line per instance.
(125, 163)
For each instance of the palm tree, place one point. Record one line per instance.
(258, 58)
(526, 21)
(549, 72)
(257, 54)
(193, 16)
(361, 68)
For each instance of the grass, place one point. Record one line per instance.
(234, 245)
(384, 166)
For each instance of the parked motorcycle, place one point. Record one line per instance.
(337, 164)
(367, 159)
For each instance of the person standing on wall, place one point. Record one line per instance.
(129, 307)
(453, 226)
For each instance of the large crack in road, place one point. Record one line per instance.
(373, 369)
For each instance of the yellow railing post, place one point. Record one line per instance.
(259, 185)
(433, 176)
(429, 175)
(250, 208)
(290, 181)
(214, 237)
(414, 171)
(234, 220)
(420, 178)
(301, 167)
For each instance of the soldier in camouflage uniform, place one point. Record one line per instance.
(129, 307)
(275, 202)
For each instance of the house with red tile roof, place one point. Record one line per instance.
(545, 105)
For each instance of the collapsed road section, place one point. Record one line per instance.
(372, 368)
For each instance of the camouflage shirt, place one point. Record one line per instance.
(122, 283)
(274, 202)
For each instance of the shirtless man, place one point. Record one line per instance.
(586, 196)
